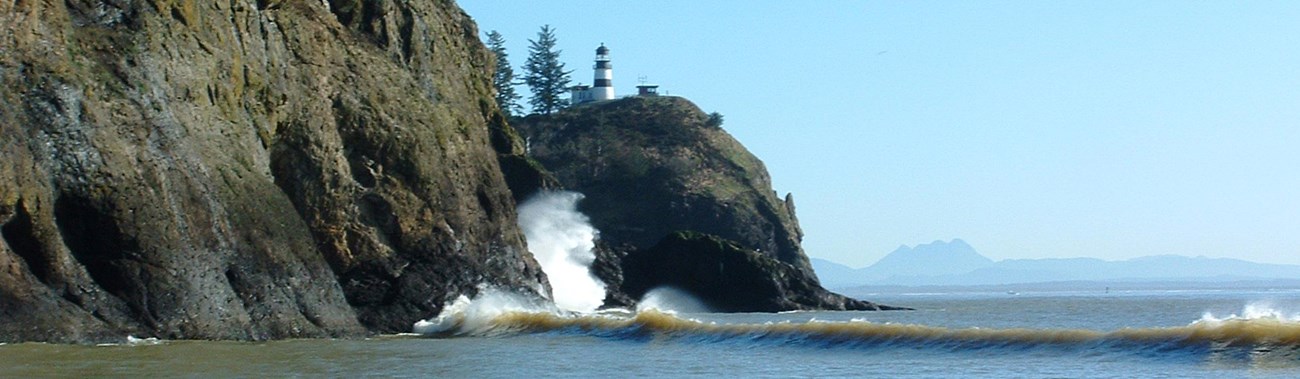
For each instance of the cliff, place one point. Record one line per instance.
(248, 169)
(729, 277)
(653, 166)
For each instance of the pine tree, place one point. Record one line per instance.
(544, 73)
(504, 78)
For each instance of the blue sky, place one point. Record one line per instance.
(1031, 129)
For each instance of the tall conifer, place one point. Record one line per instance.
(504, 78)
(544, 73)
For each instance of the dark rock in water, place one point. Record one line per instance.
(728, 277)
(650, 166)
(653, 165)
(606, 267)
(249, 170)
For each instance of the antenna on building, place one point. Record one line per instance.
(646, 89)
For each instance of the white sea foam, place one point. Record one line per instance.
(671, 300)
(474, 316)
(1252, 311)
(133, 341)
(561, 239)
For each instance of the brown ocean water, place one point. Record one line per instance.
(1152, 333)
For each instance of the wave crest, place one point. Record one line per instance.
(1258, 332)
(1263, 311)
(479, 316)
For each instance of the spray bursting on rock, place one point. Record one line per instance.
(561, 239)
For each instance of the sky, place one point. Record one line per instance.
(1029, 129)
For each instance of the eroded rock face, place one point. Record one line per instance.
(653, 165)
(728, 277)
(248, 169)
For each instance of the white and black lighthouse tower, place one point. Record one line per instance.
(603, 88)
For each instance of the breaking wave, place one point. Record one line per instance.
(561, 238)
(1253, 311)
(1258, 335)
(479, 316)
(671, 300)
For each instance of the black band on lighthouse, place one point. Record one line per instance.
(603, 83)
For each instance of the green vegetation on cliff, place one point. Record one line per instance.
(249, 169)
(653, 165)
(679, 203)
(287, 169)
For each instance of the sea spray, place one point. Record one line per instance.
(464, 316)
(1262, 311)
(561, 239)
(132, 341)
(671, 300)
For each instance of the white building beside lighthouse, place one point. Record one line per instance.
(603, 84)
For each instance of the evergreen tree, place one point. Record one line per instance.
(544, 73)
(504, 78)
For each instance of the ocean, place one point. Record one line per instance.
(1074, 334)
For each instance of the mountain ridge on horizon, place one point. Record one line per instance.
(963, 265)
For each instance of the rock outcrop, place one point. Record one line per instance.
(248, 169)
(653, 166)
(728, 277)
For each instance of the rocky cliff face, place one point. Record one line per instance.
(653, 166)
(728, 277)
(247, 169)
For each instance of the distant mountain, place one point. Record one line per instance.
(835, 275)
(935, 258)
(957, 263)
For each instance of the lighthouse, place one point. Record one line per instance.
(603, 85)
(603, 88)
